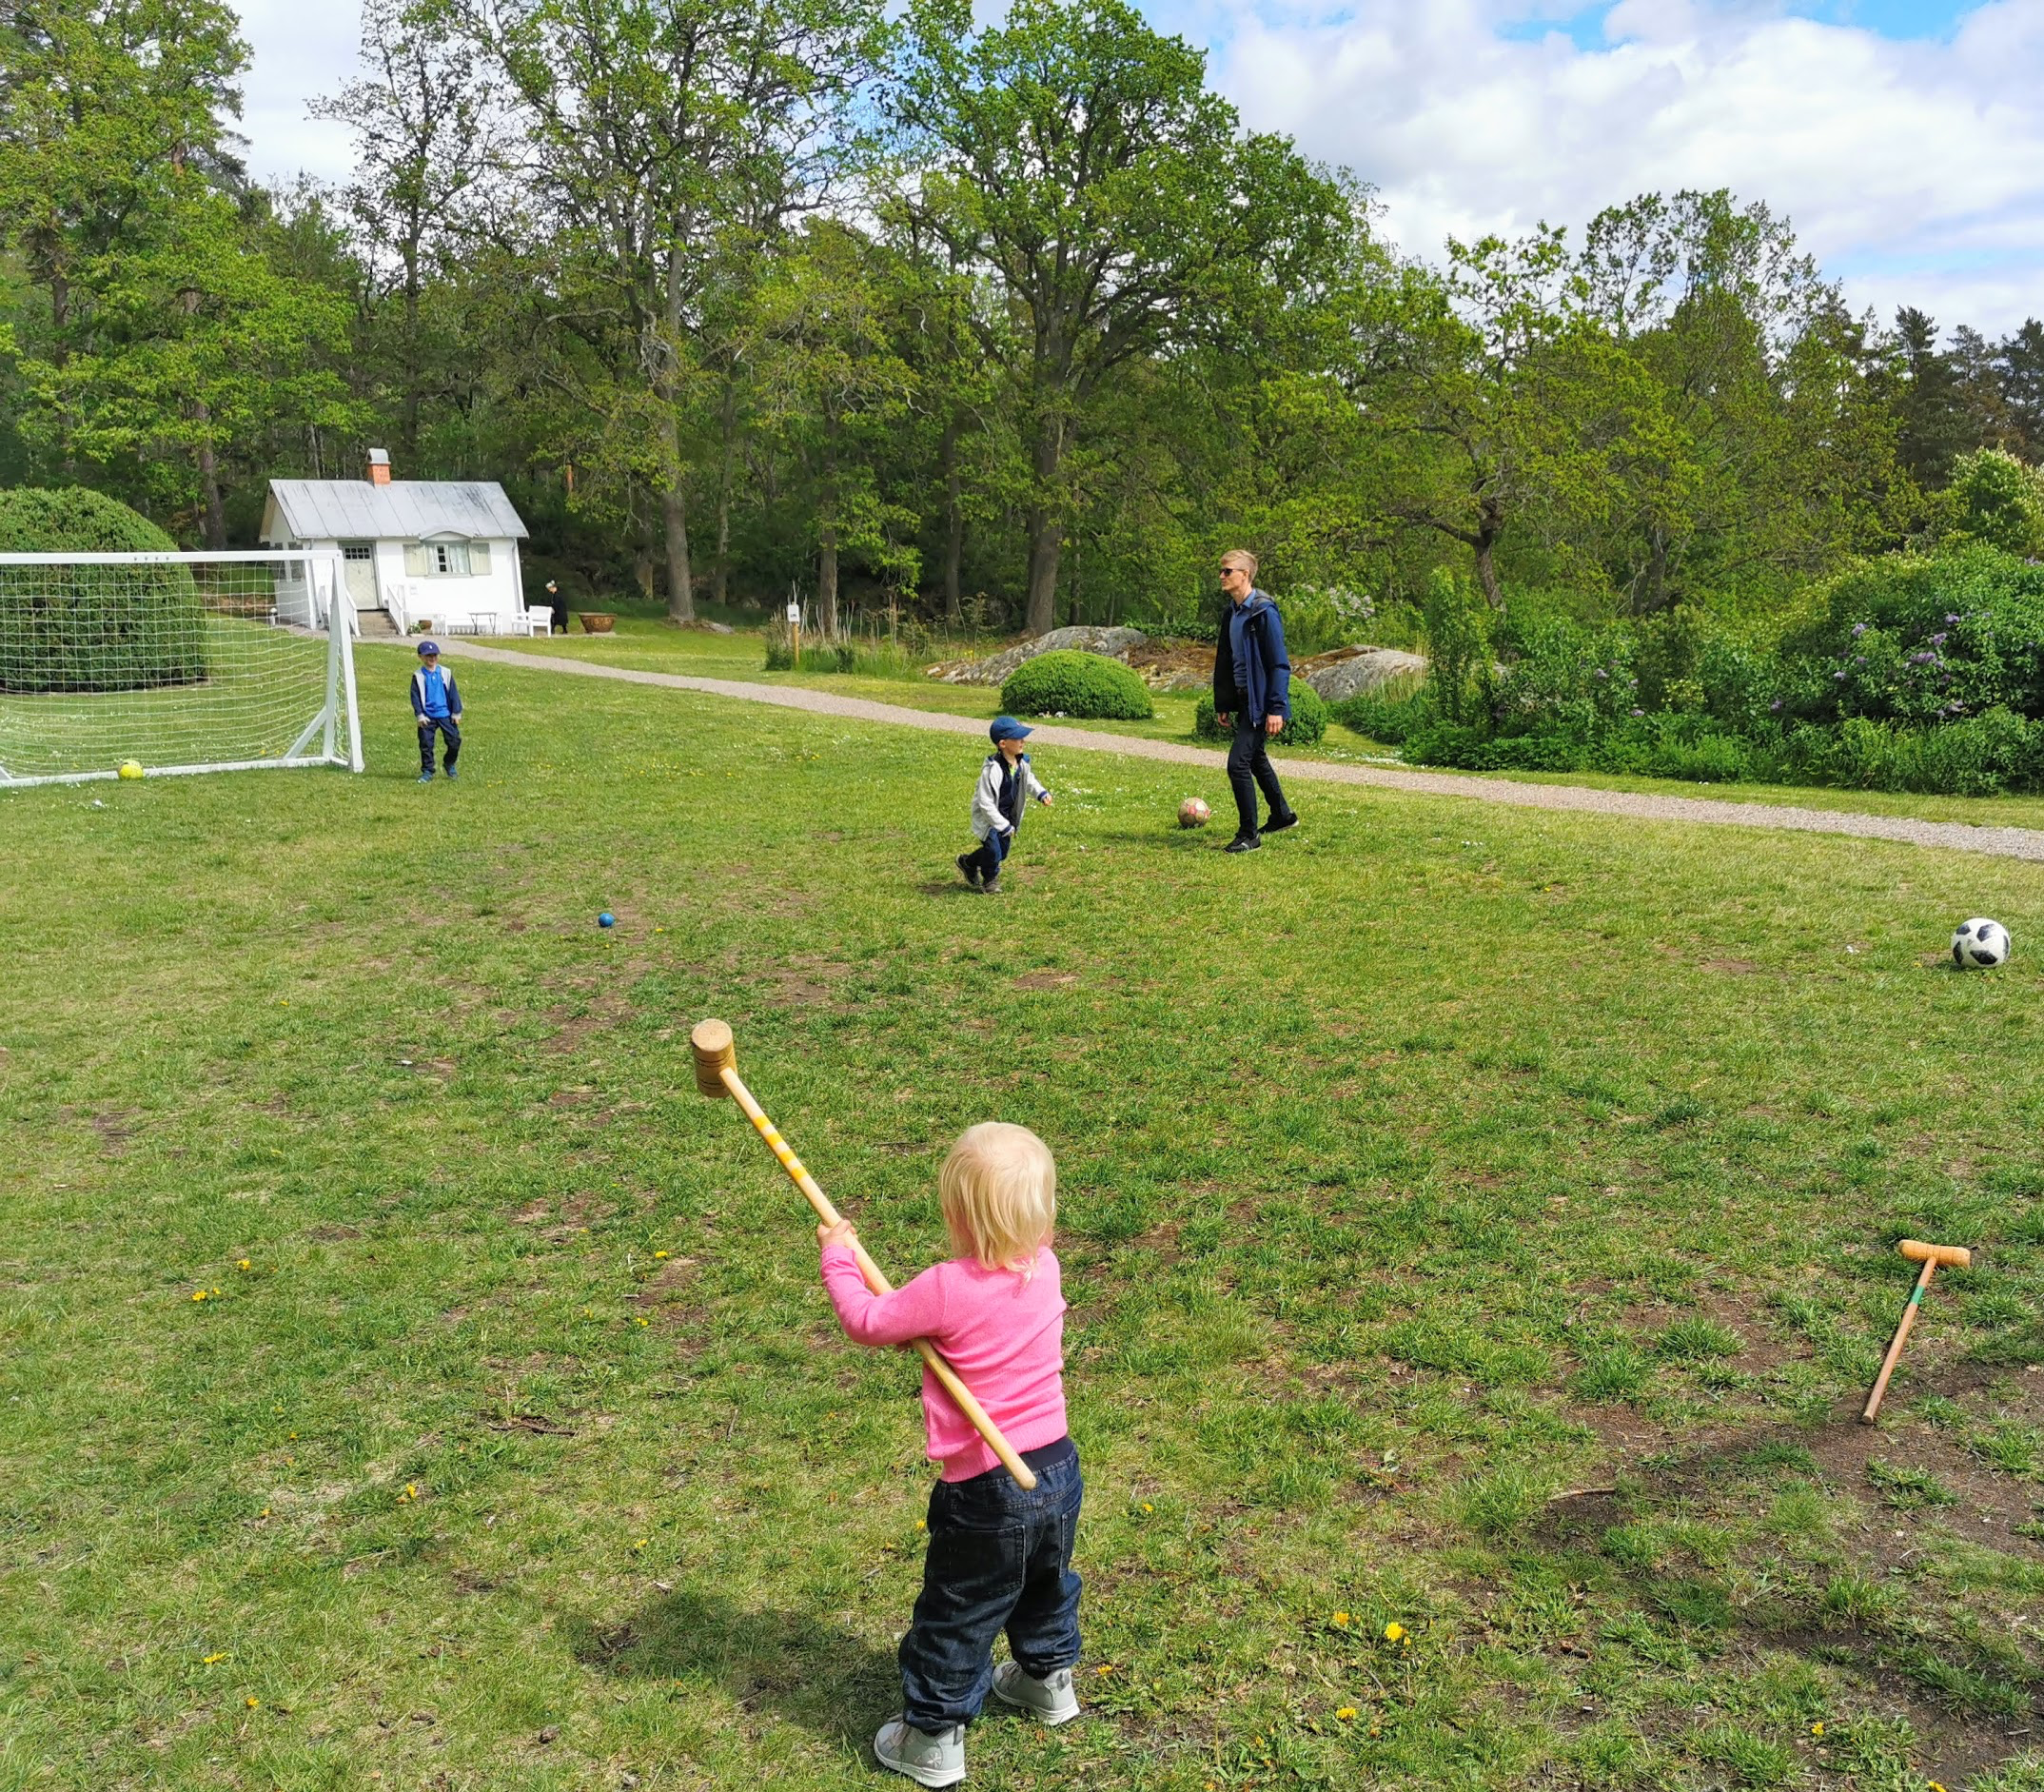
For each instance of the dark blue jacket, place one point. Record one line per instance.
(419, 681)
(1252, 671)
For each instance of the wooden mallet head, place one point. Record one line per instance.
(714, 1055)
(1944, 1256)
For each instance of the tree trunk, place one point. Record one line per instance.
(681, 585)
(1046, 527)
(1486, 565)
(216, 516)
(674, 502)
(409, 428)
(721, 566)
(827, 581)
(953, 525)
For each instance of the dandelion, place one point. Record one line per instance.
(211, 1660)
(1341, 1618)
(1817, 1729)
(920, 1524)
(658, 1254)
(264, 1513)
(1394, 1633)
(643, 1321)
(1104, 1669)
(1147, 1507)
(251, 1704)
(642, 1542)
(198, 1293)
(241, 1263)
(1347, 1712)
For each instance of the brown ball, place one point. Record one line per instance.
(1193, 813)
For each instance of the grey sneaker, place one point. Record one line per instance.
(927, 1760)
(1051, 1697)
(991, 887)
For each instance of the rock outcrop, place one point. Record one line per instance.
(1356, 671)
(1113, 643)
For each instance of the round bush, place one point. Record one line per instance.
(1309, 721)
(92, 628)
(1072, 683)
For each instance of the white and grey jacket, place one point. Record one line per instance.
(987, 817)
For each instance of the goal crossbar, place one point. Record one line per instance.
(180, 662)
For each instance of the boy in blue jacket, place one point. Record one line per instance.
(1006, 783)
(1251, 685)
(438, 706)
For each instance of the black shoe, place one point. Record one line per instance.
(1243, 843)
(968, 871)
(1277, 824)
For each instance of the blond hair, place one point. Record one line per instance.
(998, 1190)
(1240, 557)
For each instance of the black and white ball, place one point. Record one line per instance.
(1980, 944)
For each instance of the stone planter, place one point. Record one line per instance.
(598, 622)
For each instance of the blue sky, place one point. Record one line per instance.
(1905, 138)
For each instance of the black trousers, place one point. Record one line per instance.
(425, 741)
(1249, 770)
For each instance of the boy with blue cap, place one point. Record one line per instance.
(1006, 783)
(438, 706)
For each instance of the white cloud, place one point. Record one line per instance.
(1913, 169)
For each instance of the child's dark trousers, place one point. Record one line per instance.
(992, 855)
(1000, 1558)
(449, 727)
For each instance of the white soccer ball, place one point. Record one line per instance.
(1978, 944)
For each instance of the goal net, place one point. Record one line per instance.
(176, 662)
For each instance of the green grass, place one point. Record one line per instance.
(649, 645)
(1452, 1241)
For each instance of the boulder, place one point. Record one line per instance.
(1357, 671)
(1113, 643)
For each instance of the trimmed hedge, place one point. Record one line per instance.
(1068, 683)
(92, 628)
(1309, 723)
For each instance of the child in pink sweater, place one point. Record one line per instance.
(999, 1557)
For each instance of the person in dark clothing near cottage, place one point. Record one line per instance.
(1251, 686)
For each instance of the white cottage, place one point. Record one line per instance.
(442, 552)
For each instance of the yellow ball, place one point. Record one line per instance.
(131, 768)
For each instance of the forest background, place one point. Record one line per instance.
(999, 326)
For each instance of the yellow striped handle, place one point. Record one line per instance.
(977, 1415)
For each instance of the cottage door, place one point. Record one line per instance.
(360, 559)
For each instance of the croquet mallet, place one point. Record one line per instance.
(717, 1074)
(1952, 1256)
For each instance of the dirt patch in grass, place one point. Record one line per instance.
(1047, 979)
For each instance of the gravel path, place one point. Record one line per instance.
(1963, 837)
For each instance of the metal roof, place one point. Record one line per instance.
(410, 510)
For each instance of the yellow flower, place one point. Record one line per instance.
(919, 1525)
(264, 1513)
(251, 1704)
(1104, 1669)
(1147, 1507)
(198, 1293)
(642, 1322)
(1394, 1633)
(242, 1264)
(1817, 1729)
(221, 1657)
(658, 1254)
(641, 1543)
(1347, 1712)
(1341, 1618)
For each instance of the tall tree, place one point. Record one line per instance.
(2020, 362)
(1078, 156)
(1929, 406)
(648, 126)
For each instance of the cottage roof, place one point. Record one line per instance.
(406, 509)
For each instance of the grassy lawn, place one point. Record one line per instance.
(1477, 1222)
(648, 646)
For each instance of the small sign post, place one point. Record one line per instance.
(794, 632)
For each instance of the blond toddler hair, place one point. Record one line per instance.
(998, 1190)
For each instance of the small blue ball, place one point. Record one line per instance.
(606, 919)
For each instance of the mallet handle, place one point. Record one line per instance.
(1901, 1337)
(869, 1272)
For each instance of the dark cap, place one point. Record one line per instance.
(1008, 728)
(427, 647)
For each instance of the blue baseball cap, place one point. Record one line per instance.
(1008, 728)
(428, 647)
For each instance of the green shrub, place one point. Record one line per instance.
(1995, 499)
(92, 628)
(1458, 643)
(1309, 723)
(1068, 683)
(1385, 718)
(816, 656)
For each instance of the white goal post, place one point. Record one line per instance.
(175, 662)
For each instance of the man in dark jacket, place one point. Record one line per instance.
(1251, 685)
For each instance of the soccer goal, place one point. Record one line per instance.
(175, 662)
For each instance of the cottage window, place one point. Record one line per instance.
(447, 559)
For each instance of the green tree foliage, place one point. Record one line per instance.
(1458, 641)
(1996, 499)
(1079, 157)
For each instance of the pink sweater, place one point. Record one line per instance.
(1003, 1334)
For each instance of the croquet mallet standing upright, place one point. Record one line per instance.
(1954, 1256)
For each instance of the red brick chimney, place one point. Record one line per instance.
(379, 466)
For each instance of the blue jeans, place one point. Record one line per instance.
(999, 1559)
(992, 855)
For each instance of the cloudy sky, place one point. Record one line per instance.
(1905, 138)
